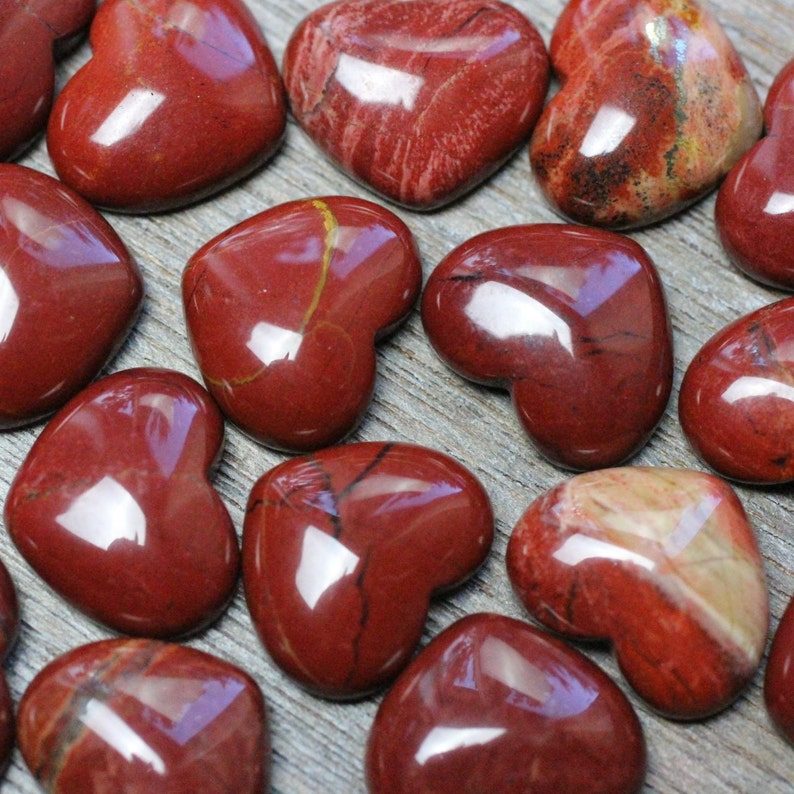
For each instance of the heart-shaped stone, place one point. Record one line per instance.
(655, 107)
(493, 704)
(662, 562)
(572, 322)
(755, 205)
(112, 507)
(69, 294)
(284, 309)
(342, 551)
(419, 100)
(779, 678)
(141, 716)
(9, 627)
(33, 33)
(736, 403)
(179, 101)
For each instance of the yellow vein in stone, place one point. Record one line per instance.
(331, 232)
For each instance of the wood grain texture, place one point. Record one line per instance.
(318, 746)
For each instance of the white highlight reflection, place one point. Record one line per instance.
(9, 305)
(371, 82)
(780, 203)
(104, 513)
(443, 739)
(324, 561)
(517, 314)
(579, 548)
(505, 664)
(271, 343)
(607, 131)
(128, 116)
(749, 386)
(112, 729)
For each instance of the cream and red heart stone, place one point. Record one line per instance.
(654, 109)
(342, 551)
(779, 677)
(419, 100)
(494, 704)
(572, 321)
(178, 101)
(113, 509)
(33, 34)
(736, 403)
(755, 206)
(69, 293)
(661, 562)
(283, 312)
(143, 716)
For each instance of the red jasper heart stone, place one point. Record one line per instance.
(113, 509)
(736, 403)
(33, 34)
(69, 294)
(493, 704)
(9, 628)
(284, 309)
(140, 716)
(655, 107)
(342, 551)
(779, 677)
(419, 100)
(755, 205)
(573, 322)
(661, 562)
(178, 101)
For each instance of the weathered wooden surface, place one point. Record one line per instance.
(318, 746)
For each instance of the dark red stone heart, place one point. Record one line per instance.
(663, 563)
(178, 101)
(779, 678)
(419, 100)
(342, 551)
(113, 509)
(32, 34)
(139, 716)
(284, 309)
(493, 704)
(69, 294)
(736, 403)
(755, 205)
(572, 322)
(9, 627)
(9, 612)
(655, 107)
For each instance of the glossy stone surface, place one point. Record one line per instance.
(9, 628)
(141, 716)
(342, 551)
(113, 509)
(661, 562)
(655, 107)
(779, 678)
(419, 100)
(736, 403)
(9, 612)
(283, 312)
(493, 704)
(572, 322)
(178, 101)
(69, 294)
(755, 205)
(33, 33)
